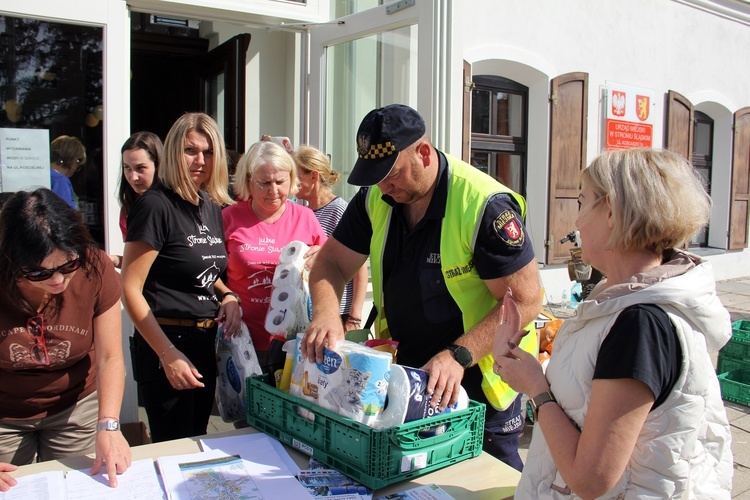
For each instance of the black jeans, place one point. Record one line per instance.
(176, 414)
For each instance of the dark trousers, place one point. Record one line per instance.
(176, 414)
(502, 429)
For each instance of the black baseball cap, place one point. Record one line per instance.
(381, 135)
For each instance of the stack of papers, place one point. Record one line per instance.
(252, 467)
(138, 482)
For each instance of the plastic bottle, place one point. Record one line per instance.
(565, 301)
(575, 295)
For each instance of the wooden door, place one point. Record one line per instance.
(680, 125)
(568, 125)
(738, 208)
(222, 82)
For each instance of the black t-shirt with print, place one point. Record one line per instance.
(190, 242)
(642, 345)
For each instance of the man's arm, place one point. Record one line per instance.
(527, 294)
(445, 372)
(334, 266)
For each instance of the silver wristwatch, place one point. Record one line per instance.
(108, 425)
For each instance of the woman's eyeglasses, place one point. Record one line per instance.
(45, 274)
(35, 327)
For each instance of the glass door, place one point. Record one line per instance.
(377, 57)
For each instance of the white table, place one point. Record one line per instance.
(482, 477)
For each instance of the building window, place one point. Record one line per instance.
(703, 140)
(51, 79)
(499, 117)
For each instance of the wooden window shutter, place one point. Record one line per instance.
(568, 125)
(738, 208)
(466, 136)
(680, 125)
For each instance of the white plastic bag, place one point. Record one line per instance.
(236, 360)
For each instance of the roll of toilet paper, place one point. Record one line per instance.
(293, 253)
(279, 321)
(287, 275)
(407, 399)
(285, 297)
(397, 399)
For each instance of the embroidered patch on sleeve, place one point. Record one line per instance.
(509, 229)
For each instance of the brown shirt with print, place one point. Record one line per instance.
(29, 390)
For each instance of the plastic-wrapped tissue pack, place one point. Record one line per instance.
(352, 380)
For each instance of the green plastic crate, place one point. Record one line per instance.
(728, 364)
(736, 349)
(375, 458)
(735, 386)
(741, 331)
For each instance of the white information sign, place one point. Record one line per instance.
(24, 159)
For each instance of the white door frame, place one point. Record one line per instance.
(424, 13)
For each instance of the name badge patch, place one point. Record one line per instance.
(508, 228)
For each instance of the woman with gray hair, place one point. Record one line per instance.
(634, 404)
(258, 227)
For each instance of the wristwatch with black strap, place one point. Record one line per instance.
(461, 354)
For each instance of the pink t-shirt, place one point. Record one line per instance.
(254, 248)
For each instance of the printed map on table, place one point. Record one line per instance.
(223, 478)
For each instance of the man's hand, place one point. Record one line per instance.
(322, 332)
(445, 379)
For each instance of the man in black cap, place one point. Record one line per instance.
(446, 242)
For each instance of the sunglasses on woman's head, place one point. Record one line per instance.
(45, 274)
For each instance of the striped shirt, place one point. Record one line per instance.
(329, 216)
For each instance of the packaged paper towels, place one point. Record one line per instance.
(351, 380)
(407, 399)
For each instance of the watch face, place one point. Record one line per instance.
(462, 355)
(109, 425)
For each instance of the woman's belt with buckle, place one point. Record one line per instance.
(193, 323)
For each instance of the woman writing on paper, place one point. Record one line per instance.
(630, 406)
(61, 362)
(258, 227)
(174, 255)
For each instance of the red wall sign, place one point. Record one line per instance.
(623, 135)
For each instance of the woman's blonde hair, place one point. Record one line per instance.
(658, 199)
(309, 158)
(174, 172)
(263, 153)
